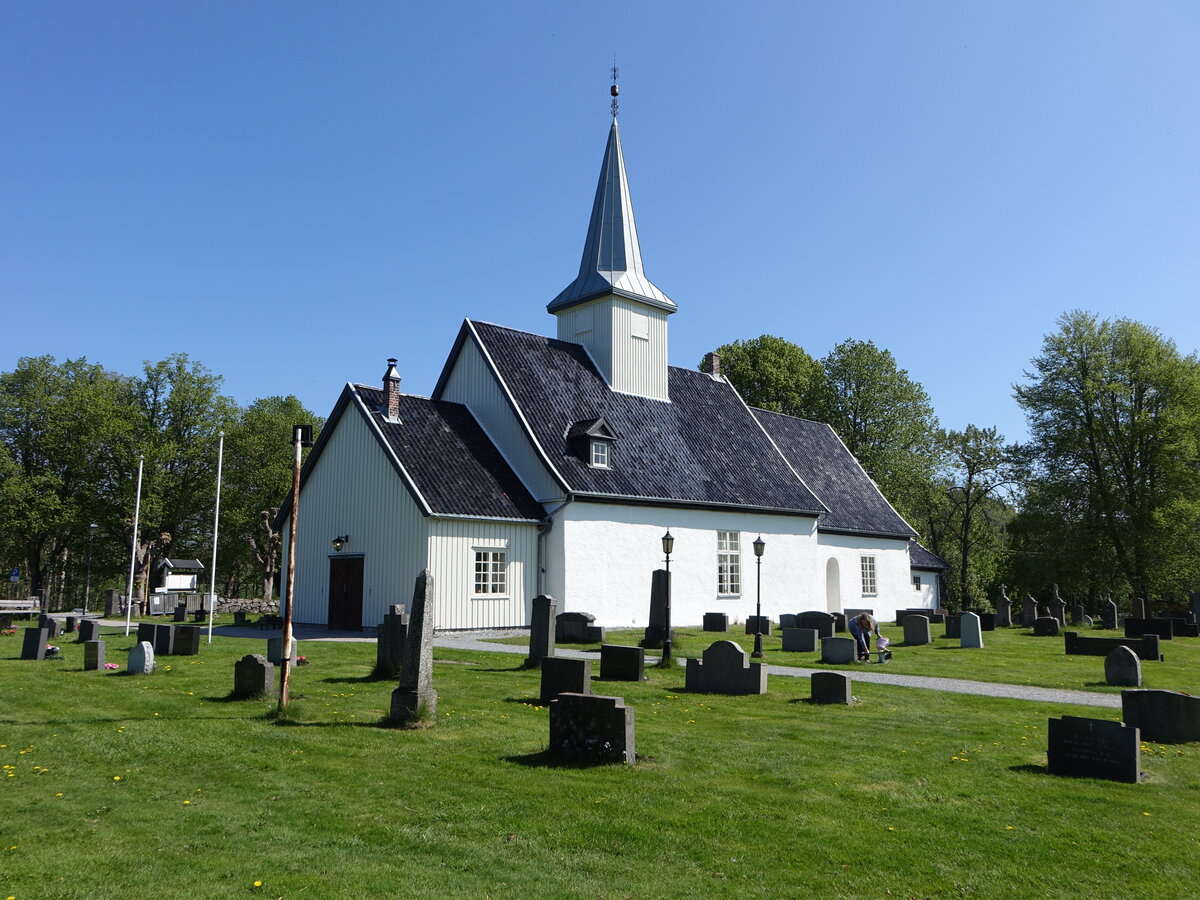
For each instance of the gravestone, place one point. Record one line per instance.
(112, 604)
(587, 728)
(1194, 600)
(89, 630)
(970, 631)
(145, 632)
(415, 696)
(275, 651)
(851, 612)
(1045, 626)
(1093, 748)
(389, 642)
(141, 659)
(718, 622)
(239, 617)
(1146, 646)
(253, 676)
(1028, 611)
(541, 629)
(838, 650)
(831, 687)
(1058, 607)
(953, 626)
(70, 625)
(199, 616)
(93, 655)
(187, 640)
(562, 675)
(164, 640)
(51, 624)
(1075, 614)
(1108, 614)
(660, 595)
(577, 628)
(1139, 608)
(839, 623)
(1167, 716)
(754, 623)
(619, 663)
(787, 620)
(725, 669)
(800, 640)
(916, 631)
(180, 614)
(34, 645)
(1087, 622)
(823, 622)
(1122, 667)
(1138, 627)
(1181, 627)
(1003, 609)
(987, 621)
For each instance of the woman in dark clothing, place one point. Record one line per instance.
(862, 627)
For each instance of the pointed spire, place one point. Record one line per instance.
(612, 260)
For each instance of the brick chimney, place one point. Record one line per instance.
(391, 392)
(711, 364)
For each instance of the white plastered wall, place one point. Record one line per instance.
(893, 573)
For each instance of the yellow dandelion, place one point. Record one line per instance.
(1008, 828)
(1145, 814)
(58, 795)
(116, 778)
(258, 884)
(187, 802)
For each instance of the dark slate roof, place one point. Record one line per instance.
(920, 558)
(704, 447)
(818, 454)
(453, 464)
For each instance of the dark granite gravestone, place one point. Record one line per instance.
(253, 676)
(660, 594)
(953, 627)
(839, 623)
(389, 642)
(800, 640)
(199, 616)
(851, 612)
(34, 645)
(1075, 614)
(1194, 602)
(541, 629)
(239, 617)
(1046, 626)
(823, 622)
(112, 604)
(1108, 614)
(1004, 609)
(619, 663)
(1122, 667)
(725, 669)
(164, 640)
(141, 659)
(89, 630)
(562, 675)
(838, 650)
(93, 655)
(787, 620)
(70, 625)
(1094, 748)
(275, 651)
(1138, 627)
(753, 623)
(970, 631)
(1028, 611)
(1146, 647)
(935, 616)
(587, 728)
(987, 621)
(187, 640)
(831, 687)
(145, 632)
(179, 614)
(916, 631)
(1181, 627)
(718, 622)
(1167, 716)
(1139, 608)
(51, 624)
(577, 628)
(415, 697)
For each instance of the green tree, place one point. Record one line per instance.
(1114, 416)
(771, 373)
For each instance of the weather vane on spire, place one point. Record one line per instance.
(614, 90)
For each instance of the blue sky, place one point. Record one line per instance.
(292, 192)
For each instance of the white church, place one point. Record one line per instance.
(556, 465)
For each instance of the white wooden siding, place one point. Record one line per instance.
(639, 366)
(452, 544)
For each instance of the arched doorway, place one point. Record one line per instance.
(833, 586)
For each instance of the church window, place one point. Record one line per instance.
(868, 576)
(729, 563)
(491, 572)
(599, 458)
(916, 582)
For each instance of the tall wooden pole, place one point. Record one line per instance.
(286, 660)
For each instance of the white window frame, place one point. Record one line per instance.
(490, 572)
(916, 579)
(599, 454)
(729, 563)
(870, 587)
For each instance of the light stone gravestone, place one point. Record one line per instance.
(1003, 609)
(970, 631)
(753, 623)
(1045, 626)
(93, 655)
(718, 622)
(1122, 667)
(831, 687)
(563, 675)
(253, 676)
(1058, 607)
(141, 659)
(34, 644)
(619, 663)
(916, 631)
(587, 728)
(415, 697)
(541, 629)
(1167, 716)
(1093, 748)
(823, 622)
(275, 651)
(838, 650)
(1028, 611)
(660, 593)
(800, 640)
(725, 669)
(1087, 622)
(389, 642)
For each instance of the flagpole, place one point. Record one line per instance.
(137, 514)
(212, 584)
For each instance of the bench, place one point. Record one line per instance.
(28, 606)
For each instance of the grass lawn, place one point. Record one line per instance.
(160, 787)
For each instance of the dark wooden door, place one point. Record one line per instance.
(345, 592)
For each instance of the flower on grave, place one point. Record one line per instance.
(111, 666)
(302, 660)
(10, 631)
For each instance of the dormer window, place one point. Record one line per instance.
(592, 440)
(599, 454)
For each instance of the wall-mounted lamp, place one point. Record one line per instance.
(340, 542)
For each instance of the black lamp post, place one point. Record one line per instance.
(668, 544)
(759, 546)
(87, 581)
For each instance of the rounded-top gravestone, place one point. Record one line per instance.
(1122, 667)
(141, 659)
